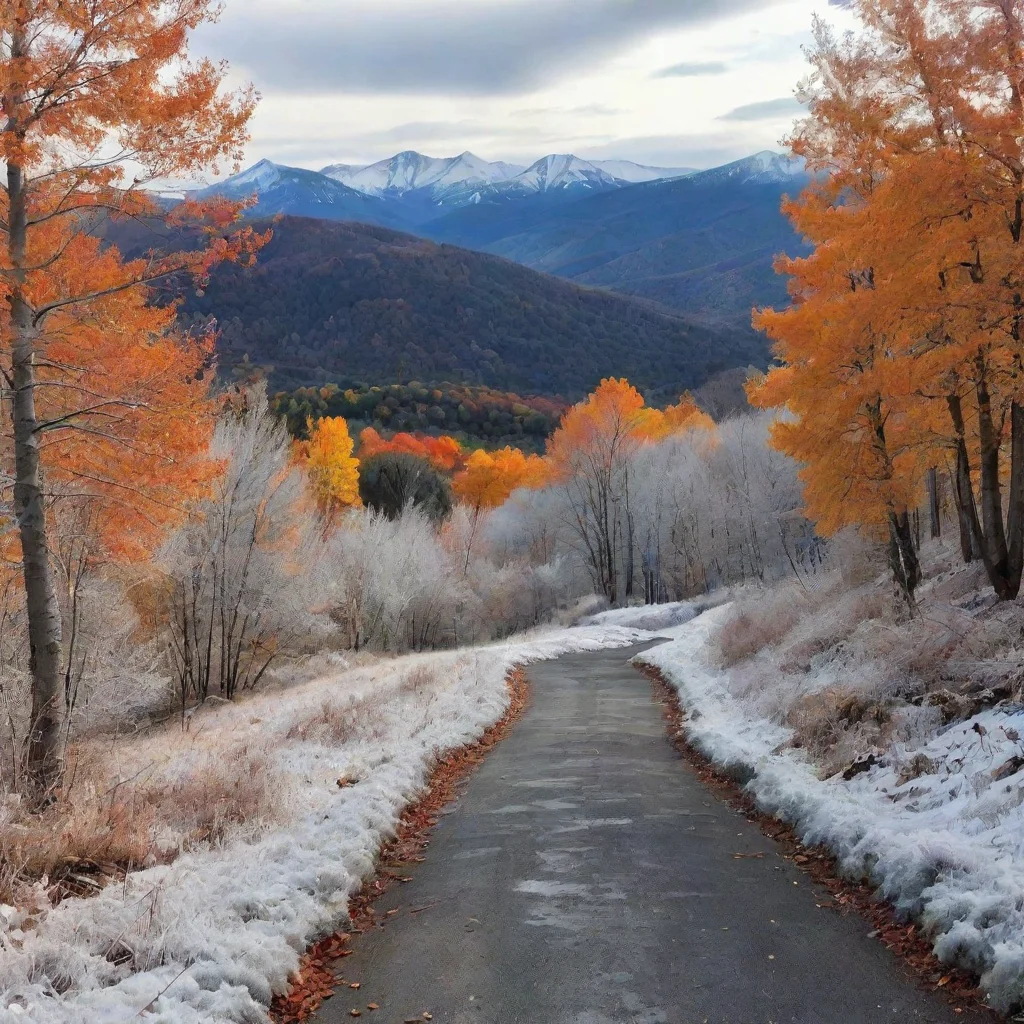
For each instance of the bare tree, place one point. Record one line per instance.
(233, 604)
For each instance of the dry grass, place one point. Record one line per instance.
(100, 826)
(761, 619)
(73, 846)
(834, 726)
(330, 724)
(849, 670)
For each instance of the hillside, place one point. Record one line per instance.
(355, 303)
(702, 244)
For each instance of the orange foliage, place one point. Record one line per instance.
(123, 409)
(444, 453)
(613, 422)
(686, 415)
(125, 415)
(490, 477)
(904, 344)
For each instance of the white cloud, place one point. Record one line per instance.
(651, 80)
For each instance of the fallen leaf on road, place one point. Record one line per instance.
(744, 856)
(373, 1006)
(356, 1013)
(355, 984)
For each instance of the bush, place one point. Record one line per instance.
(389, 482)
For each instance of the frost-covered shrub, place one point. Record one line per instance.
(234, 571)
(389, 583)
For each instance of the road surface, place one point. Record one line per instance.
(587, 877)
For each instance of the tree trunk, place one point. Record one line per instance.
(44, 621)
(1015, 503)
(963, 489)
(903, 559)
(994, 537)
(934, 504)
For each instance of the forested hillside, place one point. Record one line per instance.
(472, 415)
(353, 303)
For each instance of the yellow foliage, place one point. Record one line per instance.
(333, 471)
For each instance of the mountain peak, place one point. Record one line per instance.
(559, 171)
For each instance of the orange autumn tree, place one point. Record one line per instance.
(333, 471)
(488, 478)
(685, 416)
(589, 458)
(443, 453)
(99, 99)
(916, 130)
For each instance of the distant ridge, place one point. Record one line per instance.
(352, 302)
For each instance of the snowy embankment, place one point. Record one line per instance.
(211, 936)
(937, 824)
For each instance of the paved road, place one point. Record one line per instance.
(587, 877)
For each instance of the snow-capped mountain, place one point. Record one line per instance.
(764, 168)
(295, 190)
(467, 178)
(627, 170)
(410, 190)
(411, 172)
(557, 173)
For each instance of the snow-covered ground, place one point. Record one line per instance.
(212, 935)
(651, 617)
(937, 824)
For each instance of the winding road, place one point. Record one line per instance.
(586, 876)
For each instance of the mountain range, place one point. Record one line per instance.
(412, 188)
(687, 251)
(703, 244)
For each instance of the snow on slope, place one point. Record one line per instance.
(558, 171)
(409, 171)
(762, 168)
(293, 189)
(260, 176)
(210, 937)
(945, 845)
(654, 617)
(467, 178)
(627, 170)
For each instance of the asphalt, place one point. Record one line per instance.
(586, 876)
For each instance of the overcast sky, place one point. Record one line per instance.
(678, 83)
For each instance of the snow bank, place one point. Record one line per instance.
(213, 935)
(938, 825)
(651, 617)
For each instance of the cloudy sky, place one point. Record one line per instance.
(678, 83)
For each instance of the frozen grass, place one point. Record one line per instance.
(213, 933)
(787, 689)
